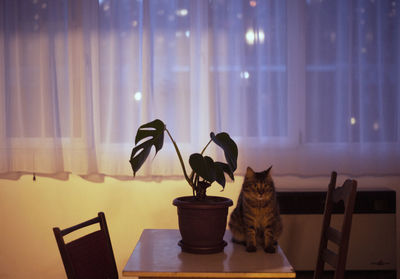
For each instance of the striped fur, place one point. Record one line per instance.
(256, 220)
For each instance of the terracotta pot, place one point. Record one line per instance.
(202, 224)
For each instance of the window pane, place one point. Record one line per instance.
(352, 92)
(248, 66)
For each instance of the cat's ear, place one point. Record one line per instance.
(249, 173)
(268, 172)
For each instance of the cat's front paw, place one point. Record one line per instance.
(270, 249)
(251, 248)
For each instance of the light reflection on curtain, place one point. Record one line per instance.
(77, 78)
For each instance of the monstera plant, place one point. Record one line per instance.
(202, 218)
(205, 170)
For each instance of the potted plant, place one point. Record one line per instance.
(202, 218)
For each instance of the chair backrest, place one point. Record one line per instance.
(90, 256)
(347, 194)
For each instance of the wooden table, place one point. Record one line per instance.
(157, 254)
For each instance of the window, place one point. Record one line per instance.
(352, 62)
(307, 86)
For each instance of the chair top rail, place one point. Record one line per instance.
(79, 226)
(343, 193)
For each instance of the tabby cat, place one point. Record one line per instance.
(256, 219)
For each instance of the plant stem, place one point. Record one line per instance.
(205, 147)
(195, 183)
(180, 160)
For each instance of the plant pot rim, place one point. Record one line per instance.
(209, 203)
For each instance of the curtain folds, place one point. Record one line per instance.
(306, 86)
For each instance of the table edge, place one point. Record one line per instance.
(210, 274)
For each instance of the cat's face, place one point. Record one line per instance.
(258, 185)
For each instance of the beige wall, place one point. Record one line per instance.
(29, 209)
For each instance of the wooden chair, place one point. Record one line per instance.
(90, 256)
(347, 194)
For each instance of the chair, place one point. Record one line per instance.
(90, 256)
(347, 194)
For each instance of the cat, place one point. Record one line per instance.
(256, 219)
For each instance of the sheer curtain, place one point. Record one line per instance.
(305, 86)
(352, 86)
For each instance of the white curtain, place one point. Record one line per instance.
(306, 86)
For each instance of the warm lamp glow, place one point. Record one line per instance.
(253, 3)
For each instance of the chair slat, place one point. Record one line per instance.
(334, 235)
(330, 257)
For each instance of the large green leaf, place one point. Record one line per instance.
(153, 135)
(203, 166)
(226, 169)
(224, 141)
(209, 170)
(219, 174)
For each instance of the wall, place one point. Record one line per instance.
(30, 209)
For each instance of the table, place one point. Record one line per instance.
(157, 254)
